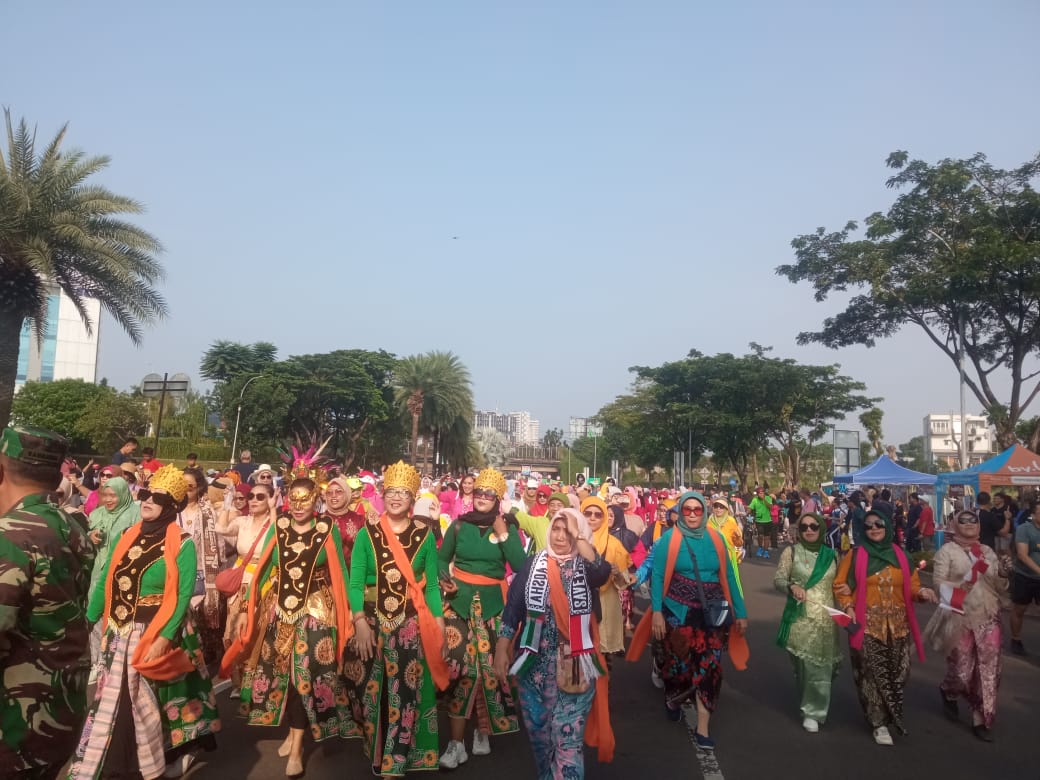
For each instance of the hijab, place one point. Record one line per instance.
(880, 554)
(813, 547)
(618, 518)
(125, 513)
(482, 519)
(680, 519)
(956, 527)
(606, 545)
(583, 530)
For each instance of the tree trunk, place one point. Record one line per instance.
(415, 439)
(10, 340)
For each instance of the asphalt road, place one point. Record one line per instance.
(757, 727)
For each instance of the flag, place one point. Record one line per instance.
(843, 620)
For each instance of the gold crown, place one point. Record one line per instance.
(491, 479)
(171, 479)
(401, 475)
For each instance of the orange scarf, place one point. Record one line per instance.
(175, 661)
(738, 646)
(598, 731)
(479, 579)
(344, 625)
(430, 633)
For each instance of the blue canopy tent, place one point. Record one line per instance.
(885, 471)
(1016, 466)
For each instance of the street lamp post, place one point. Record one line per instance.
(238, 416)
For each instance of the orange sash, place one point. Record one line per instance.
(174, 662)
(598, 731)
(430, 633)
(738, 646)
(344, 625)
(479, 579)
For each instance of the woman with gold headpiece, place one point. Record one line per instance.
(397, 650)
(293, 626)
(612, 626)
(476, 549)
(154, 703)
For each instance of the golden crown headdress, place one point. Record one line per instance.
(171, 479)
(491, 479)
(401, 475)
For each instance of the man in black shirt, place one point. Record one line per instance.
(991, 521)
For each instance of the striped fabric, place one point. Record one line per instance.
(90, 755)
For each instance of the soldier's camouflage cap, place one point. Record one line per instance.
(34, 446)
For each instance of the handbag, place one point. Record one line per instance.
(569, 675)
(717, 612)
(229, 581)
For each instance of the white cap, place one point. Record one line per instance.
(264, 467)
(533, 483)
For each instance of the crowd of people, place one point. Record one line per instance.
(345, 606)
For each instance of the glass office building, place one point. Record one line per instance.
(67, 351)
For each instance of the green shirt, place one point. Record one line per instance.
(470, 548)
(535, 527)
(363, 571)
(153, 580)
(1028, 534)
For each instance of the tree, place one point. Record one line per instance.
(552, 438)
(56, 230)
(871, 421)
(432, 390)
(632, 426)
(111, 420)
(226, 359)
(57, 406)
(958, 256)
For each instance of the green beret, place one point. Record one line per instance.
(34, 446)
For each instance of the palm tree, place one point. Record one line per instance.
(58, 231)
(225, 359)
(433, 390)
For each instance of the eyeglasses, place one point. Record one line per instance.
(266, 477)
(592, 513)
(396, 493)
(872, 526)
(482, 493)
(106, 474)
(718, 506)
(692, 511)
(968, 520)
(810, 527)
(258, 496)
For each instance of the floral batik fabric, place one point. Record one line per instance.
(472, 669)
(880, 670)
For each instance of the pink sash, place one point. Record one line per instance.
(856, 640)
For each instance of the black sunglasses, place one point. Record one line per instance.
(258, 496)
(968, 520)
(809, 527)
(162, 499)
(870, 526)
(485, 494)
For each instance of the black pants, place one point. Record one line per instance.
(295, 714)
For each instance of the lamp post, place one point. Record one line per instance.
(238, 416)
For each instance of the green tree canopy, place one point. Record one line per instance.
(956, 255)
(871, 421)
(112, 419)
(57, 406)
(432, 391)
(58, 230)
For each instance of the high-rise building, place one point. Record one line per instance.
(942, 439)
(520, 427)
(67, 351)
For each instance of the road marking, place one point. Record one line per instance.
(708, 761)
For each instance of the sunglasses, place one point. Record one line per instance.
(968, 520)
(482, 493)
(810, 527)
(160, 499)
(592, 513)
(266, 477)
(695, 511)
(240, 497)
(872, 526)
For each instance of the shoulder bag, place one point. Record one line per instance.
(718, 613)
(229, 581)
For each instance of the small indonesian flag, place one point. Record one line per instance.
(839, 617)
(952, 598)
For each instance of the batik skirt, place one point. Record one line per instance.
(973, 669)
(301, 655)
(689, 658)
(164, 719)
(395, 698)
(880, 670)
(472, 671)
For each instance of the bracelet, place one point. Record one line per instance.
(359, 617)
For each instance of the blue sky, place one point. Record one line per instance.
(622, 177)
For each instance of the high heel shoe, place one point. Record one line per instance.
(294, 767)
(285, 748)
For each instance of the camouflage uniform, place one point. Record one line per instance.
(45, 564)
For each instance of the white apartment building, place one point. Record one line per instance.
(520, 427)
(942, 438)
(67, 351)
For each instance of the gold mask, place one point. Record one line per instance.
(301, 497)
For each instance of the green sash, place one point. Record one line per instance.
(794, 608)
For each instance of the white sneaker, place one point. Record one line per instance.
(810, 725)
(882, 737)
(454, 755)
(481, 743)
(179, 766)
(655, 677)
